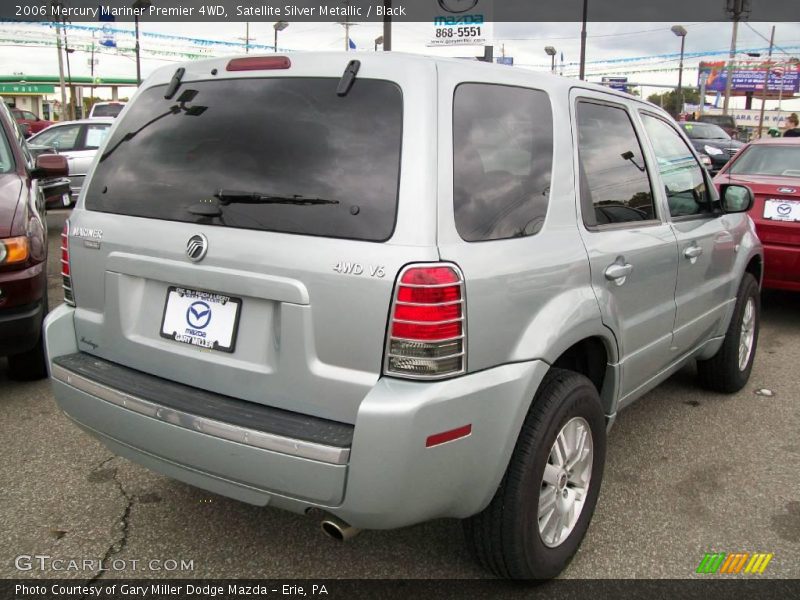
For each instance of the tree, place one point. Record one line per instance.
(669, 100)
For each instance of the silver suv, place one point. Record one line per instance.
(394, 289)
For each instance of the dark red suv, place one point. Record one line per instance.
(23, 249)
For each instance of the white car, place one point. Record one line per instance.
(78, 141)
(106, 109)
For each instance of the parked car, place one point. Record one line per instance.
(712, 140)
(106, 109)
(34, 123)
(771, 168)
(78, 141)
(23, 250)
(725, 122)
(359, 287)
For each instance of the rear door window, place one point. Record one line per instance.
(277, 154)
(502, 160)
(615, 187)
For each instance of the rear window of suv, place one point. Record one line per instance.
(276, 154)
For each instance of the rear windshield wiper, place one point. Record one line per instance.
(226, 197)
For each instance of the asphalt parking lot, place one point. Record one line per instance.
(687, 473)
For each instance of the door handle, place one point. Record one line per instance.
(618, 272)
(692, 252)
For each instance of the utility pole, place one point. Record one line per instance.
(67, 50)
(583, 41)
(736, 8)
(387, 26)
(766, 83)
(247, 37)
(61, 83)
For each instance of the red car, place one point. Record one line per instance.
(34, 123)
(771, 168)
(23, 249)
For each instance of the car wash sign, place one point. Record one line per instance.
(462, 23)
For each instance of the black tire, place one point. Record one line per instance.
(31, 365)
(721, 372)
(504, 538)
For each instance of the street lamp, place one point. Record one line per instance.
(279, 26)
(551, 52)
(139, 6)
(378, 42)
(680, 31)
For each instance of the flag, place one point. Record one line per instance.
(351, 43)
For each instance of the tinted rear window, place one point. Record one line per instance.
(287, 139)
(107, 110)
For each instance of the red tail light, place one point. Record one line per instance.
(66, 278)
(427, 327)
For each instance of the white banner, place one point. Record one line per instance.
(462, 23)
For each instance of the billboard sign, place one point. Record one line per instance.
(748, 76)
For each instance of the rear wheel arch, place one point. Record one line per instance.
(591, 357)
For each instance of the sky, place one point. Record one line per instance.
(525, 42)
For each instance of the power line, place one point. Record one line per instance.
(758, 33)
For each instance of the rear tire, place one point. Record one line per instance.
(31, 365)
(729, 369)
(514, 536)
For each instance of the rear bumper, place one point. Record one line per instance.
(781, 267)
(386, 477)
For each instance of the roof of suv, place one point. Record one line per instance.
(474, 68)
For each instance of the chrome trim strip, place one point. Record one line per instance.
(431, 342)
(428, 285)
(426, 357)
(448, 303)
(214, 428)
(446, 321)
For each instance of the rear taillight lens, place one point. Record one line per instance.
(66, 278)
(427, 325)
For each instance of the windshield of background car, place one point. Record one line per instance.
(768, 160)
(705, 131)
(107, 110)
(281, 138)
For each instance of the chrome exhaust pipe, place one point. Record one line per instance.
(338, 529)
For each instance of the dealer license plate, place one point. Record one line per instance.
(782, 210)
(203, 319)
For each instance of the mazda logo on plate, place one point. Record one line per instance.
(198, 315)
(196, 247)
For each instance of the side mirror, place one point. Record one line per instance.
(50, 165)
(736, 198)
